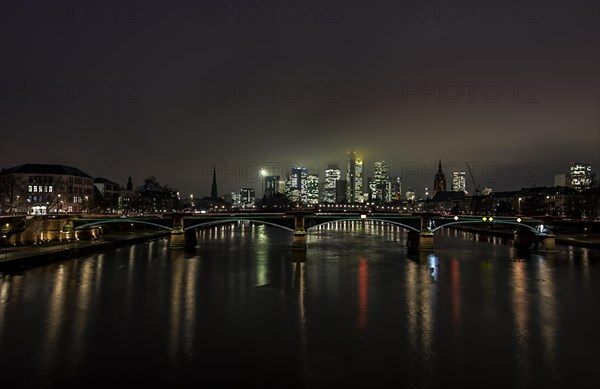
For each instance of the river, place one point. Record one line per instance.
(241, 310)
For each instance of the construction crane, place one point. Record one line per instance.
(477, 191)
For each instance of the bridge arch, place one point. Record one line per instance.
(405, 226)
(225, 221)
(532, 229)
(130, 221)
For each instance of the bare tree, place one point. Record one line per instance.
(12, 193)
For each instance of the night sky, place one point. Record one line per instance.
(171, 88)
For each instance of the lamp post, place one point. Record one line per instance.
(59, 201)
(87, 207)
(263, 174)
(17, 205)
(520, 205)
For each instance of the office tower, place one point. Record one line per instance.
(312, 189)
(271, 184)
(340, 191)
(296, 185)
(381, 191)
(332, 176)
(371, 190)
(580, 175)
(354, 177)
(459, 182)
(247, 197)
(396, 189)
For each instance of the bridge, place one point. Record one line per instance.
(183, 227)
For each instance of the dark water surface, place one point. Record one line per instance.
(359, 312)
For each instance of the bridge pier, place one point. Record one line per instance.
(543, 242)
(178, 235)
(299, 240)
(521, 240)
(547, 242)
(422, 241)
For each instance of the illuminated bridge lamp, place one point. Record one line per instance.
(455, 218)
(518, 220)
(484, 218)
(491, 219)
(363, 216)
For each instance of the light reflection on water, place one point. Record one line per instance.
(357, 310)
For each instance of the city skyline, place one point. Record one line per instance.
(308, 186)
(415, 175)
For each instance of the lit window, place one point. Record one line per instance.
(50, 189)
(30, 189)
(35, 188)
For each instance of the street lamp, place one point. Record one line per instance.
(87, 210)
(17, 205)
(59, 201)
(520, 205)
(263, 174)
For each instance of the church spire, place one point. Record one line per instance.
(213, 191)
(439, 184)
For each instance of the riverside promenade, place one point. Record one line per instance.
(14, 257)
(562, 238)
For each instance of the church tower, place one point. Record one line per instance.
(439, 185)
(213, 191)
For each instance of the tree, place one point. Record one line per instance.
(12, 192)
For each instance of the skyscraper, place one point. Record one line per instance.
(439, 184)
(580, 175)
(459, 182)
(381, 183)
(340, 191)
(354, 177)
(332, 175)
(296, 185)
(397, 189)
(271, 186)
(247, 197)
(312, 189)
(244, 199)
